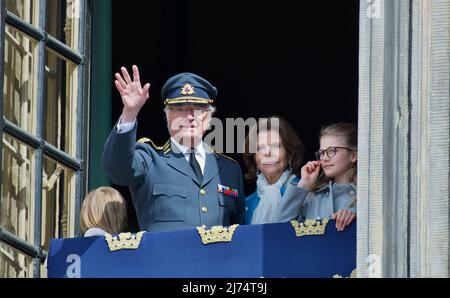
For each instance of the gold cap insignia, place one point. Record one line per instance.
(123, 241)
(309, 227)
(216, 234)
(187, 89)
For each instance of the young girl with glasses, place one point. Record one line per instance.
(327, 188)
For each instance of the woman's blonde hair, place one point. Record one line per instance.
(104, 208)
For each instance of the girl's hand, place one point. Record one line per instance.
(343, 218)
(309, 173)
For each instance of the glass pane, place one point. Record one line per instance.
(14, 263)
(60, 116)
(27, 10)
(58, 202)
(19, 89)
(17, 203)
(63, 21)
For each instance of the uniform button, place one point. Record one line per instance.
(204, 209)
(352, 192)
(202, 192)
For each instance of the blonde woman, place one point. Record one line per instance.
(104, 210)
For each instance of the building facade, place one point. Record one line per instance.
(45, 59)
(403, 174)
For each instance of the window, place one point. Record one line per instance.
(27, 10)
(17, 203)
(42, 81)
(20, 72)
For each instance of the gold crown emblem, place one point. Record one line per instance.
(309, 227)
(187, 89)
(123, 241)
(216, 234)
(352, 275)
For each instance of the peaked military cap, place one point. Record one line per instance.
(188, 88)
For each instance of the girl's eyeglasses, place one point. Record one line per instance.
(331, 152)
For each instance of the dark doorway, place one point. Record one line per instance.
(295, 59)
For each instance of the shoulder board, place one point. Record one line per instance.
(150, 142)
(167, 147)
(227, 157)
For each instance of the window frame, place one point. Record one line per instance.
(81, 58)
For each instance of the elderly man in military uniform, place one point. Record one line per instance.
(183, 184)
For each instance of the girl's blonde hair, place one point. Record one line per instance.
(349, 135)
(104, 208)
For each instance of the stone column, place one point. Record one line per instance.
(403, 167)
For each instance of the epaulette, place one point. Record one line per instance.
(227, 157)
(166, 147)
(150, 142)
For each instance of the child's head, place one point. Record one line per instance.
(338, 152)
(104, 208)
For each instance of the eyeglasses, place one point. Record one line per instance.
(186, 110)
(331, 152)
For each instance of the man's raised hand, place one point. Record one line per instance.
(132, 93)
